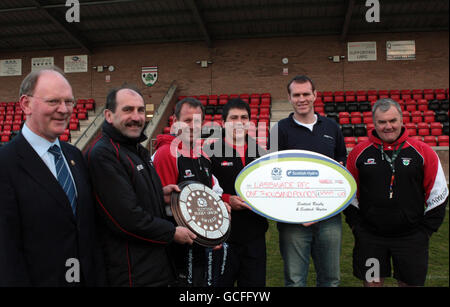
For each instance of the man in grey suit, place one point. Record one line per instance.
(47, 235)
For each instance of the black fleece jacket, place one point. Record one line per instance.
(134, 229)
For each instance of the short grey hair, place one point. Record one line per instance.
(192, 102)
(28, 84)
(385, 104)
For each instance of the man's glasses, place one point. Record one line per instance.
(70, 103)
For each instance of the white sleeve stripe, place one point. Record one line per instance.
(217, 188)
(439, 191)
(417, 151)
(355, 203)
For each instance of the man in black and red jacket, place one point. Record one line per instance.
(179, 158)
(247, 242)
(134, 228)
(401, 198)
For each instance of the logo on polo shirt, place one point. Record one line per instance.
(406, 161)
(370, 161)
(188, 173)
(226, 163)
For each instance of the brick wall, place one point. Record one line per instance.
(251, 65)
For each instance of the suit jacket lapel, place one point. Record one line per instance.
(38, 170)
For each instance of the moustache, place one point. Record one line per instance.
(134, 123)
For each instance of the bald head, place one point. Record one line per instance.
(28, 84)
(111, 98)
(47, 101)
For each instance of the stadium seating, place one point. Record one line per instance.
(260, 105)
(425, 111)
(12, 119)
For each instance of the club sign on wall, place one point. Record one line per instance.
(149, 75)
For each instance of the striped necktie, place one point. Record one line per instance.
(63, 175)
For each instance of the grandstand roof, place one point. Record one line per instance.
(41, 24)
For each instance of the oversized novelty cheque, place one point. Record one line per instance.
(296, 186)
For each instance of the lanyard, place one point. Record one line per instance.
(210, 279)
(391, 162)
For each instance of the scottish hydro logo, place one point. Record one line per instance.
(302, 173)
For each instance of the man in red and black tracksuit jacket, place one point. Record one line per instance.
(134, 228)
(401, 198)
(247, 243)
(177, 161)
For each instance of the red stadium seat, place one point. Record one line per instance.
(428, 116)
(319, 109)
(436, 128)
(64, 137)
(372, 97)
(344, 115)
(443, 140)
(411, 105)
(223, 96)
(223, 101)
(423, 125)
(356, 120)
(355, 117)
(423, 131)
(360, 98)
(367, 119)
(383, 94)
(264, 111)
(339, 99)
(265, 101)
(344, 120)
(405, 94)
(416, 116)
(422, 105)
(254, 101)
(436, 131)
(430, 140)
(410, 126)
(362, 139)
(361, 93)
(328, 99)
(350, 145)
(350, 139)
(350, 98)
(73, 126)
(435, 125)
(89, 106)
(441, 96)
